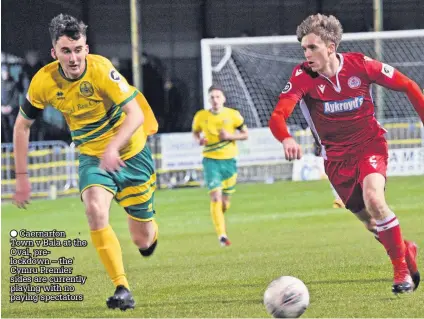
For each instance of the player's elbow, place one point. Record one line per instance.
(402, 83)
(134, 112)
(140, 119)
(196, 136)
(137, 118)
(22, 124)
(244, 135)
(274, 119)
(411, 86)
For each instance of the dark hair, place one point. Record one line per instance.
(215, 87)
(66, 25)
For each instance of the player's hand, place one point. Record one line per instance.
(203, 141)
(292, 150)
(224, 135)
(111, 160)
(22, 191)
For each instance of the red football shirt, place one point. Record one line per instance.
(340, 110)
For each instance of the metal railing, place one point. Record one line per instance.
(53, 165)
(51, 169)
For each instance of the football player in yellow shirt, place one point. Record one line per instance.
(109, 122)
(216, 130)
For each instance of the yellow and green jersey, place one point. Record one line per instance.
(210, 124)
(91, 105)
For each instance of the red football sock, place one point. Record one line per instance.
(390, 236)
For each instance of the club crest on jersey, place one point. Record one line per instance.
(114, 76)
(86, 89)
(59, 95)
(354, 82)
(287, 88)
(348, 105)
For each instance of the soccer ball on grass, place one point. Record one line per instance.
(286, 297)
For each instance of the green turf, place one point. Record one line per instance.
(285, 228)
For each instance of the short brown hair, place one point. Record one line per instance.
(328, 28)
(215, 87)
(66, 25)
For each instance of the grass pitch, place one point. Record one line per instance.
(285, 228)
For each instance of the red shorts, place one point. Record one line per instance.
(347, 176)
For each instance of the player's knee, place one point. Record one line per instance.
(216, 196)
(97, 201)
(93, 208)
(142, 241)
(375, 203)
(142, 233)
(97, 215)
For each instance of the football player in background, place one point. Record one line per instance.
(109, 122)
(335, 98)
(216, 130)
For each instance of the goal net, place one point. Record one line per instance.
(254, 70)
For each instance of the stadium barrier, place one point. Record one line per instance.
(51, 168)
(261, 157)
(53, 165)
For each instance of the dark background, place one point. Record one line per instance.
(171, 32)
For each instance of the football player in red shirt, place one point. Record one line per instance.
(335, 98)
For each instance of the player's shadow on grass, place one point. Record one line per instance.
(346, 281)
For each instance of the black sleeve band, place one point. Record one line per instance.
(29, 111)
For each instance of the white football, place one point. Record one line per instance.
(286, 297)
